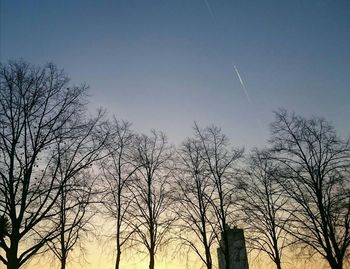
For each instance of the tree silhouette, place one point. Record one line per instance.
(262, 205)
(40, 114)
(195, 192)
(151, 199)
(76, 186)
(315, 164)
(118, 169)
(221, 162)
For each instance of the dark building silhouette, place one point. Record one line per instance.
(237, 249)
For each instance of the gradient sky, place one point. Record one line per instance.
(164, 64)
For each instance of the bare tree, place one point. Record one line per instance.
(194, 199)
(40, 112)
(315, 164)
(150, 190)
(76, 157)
(262, 204)
(221, 162)
(73, 218)
(118, 170)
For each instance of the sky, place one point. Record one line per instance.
(165, 64)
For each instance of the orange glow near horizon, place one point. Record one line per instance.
(99, 255)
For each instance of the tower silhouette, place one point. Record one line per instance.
(237, 250)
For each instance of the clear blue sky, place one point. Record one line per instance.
(164, 64)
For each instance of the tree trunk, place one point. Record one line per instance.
(278, 264)
(208, 258)
(277, 258)
(12, 259)
(64, 257)
(117, 259)
(226, 250)
(63, 263)
(151, 260)
(12, 262)
(335, 264)
(119, 221)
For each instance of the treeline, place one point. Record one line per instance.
(60, 167)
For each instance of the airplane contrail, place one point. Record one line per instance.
(247, 95)
(209, 9)
(242, 84)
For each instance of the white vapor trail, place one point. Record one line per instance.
(247, 95)
(209, 9)
(242, 84)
